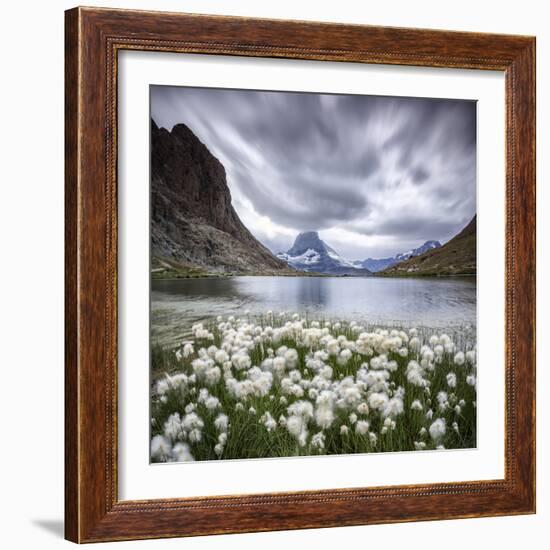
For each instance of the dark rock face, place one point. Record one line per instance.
(378, 264)
(456, 257)
(309, 253)
(304, 241)
(192, 219)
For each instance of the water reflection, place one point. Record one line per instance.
(432, 302)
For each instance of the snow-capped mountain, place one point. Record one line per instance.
(379, 264)
(310, 253)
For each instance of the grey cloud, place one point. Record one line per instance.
(319, 161)
(419, 174)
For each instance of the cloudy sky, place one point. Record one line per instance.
(374, 175)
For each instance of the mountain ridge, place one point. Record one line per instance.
(378, 264)
(456, 257)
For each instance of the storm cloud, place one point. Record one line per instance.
(374, 175)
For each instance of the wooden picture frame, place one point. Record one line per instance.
(93, 39)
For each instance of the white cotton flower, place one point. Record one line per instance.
(416, 405)
(268, 421)
(427, 354)
(221, 423)
(295, 376)
(378, 401)
(451, 380)
(429, 414)
(344, 357)
(239, 406)
(443, 400)
(384, 430)
(181, 453)
(363, 408)
(222, 438)
(160, 448)
(403, 352)
(434, 340)
(392, 366)
(212, 376)
(191, 421)
(162, 387)
(195, 435)
(344, 430)
(459, 358)
(279, 365)
(173, 428)
(291, 358)
(458, 409)
(352, 418)
(393, 407)
(252, 410)
(318, 441)
(326, 372)
(324, 410)
(241, 361)
(455, 427)
(440, 448)
(414, 344)
(221, 356)
(470, 357)
(471, 380)
(437, 429)
(415, 374)
(373, 438)
(362, 427)
(218, 449)
(212, 403)
(419, 445)
(312, 393)
(297, 427)
(423, 432)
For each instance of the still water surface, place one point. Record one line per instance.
(423, 302)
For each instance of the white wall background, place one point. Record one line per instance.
(31, 273)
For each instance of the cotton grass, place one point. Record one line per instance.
(284, 385)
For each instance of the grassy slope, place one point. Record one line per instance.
(457, 257)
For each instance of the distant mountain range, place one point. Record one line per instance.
(309, 253)
(379, 264)
(195, 231)
(456, 257)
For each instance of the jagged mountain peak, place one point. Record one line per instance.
(305, 241)
(310, 253)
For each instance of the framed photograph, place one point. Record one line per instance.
(300, 275)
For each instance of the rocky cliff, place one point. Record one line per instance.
(194, 227)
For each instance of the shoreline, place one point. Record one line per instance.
(319, 276)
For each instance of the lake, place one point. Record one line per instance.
(439, 303)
